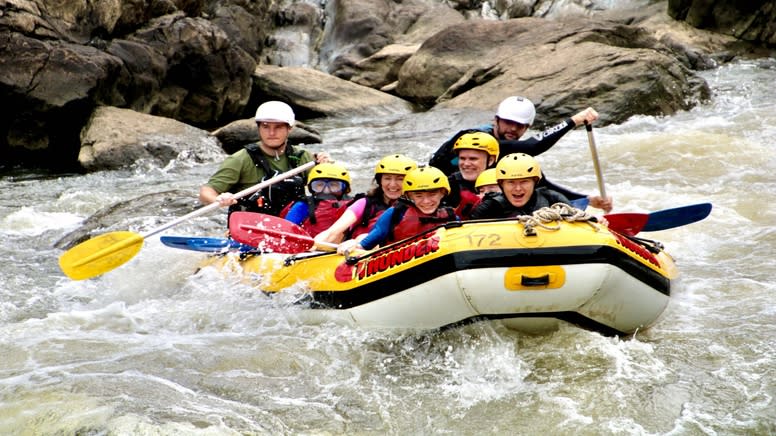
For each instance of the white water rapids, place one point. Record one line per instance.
(151, 348)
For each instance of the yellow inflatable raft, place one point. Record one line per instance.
(527, 275)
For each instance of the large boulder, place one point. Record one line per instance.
(48, 89)
(753, 20)
(361, 28)
(118, 138)
(203, 77)
(382, 68)
(561, 65)
(313, 93)
(59, 60)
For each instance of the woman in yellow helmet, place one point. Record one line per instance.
(362, 213)
(329, 184)
(417, 211)
(517, 175)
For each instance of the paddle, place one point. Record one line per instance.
(106, 252)
(628, 224)
(596, 164)
(632, 223)
(270, 233)
(678, 216)
(580, 203)
(204, 245)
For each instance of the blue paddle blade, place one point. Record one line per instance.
(204, 245)
(676, 217)
(580, 203)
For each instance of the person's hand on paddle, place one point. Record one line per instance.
(225, 199)
(322, 157)
(605, 204)
(346, 247)
(588, 115)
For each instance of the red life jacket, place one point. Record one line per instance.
(469, 200)
(414, 222)
(323, 213)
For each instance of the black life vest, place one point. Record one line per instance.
(273, 198)
(541, 197)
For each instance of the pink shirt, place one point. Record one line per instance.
(357, 208)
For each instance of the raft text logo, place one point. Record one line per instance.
(385, 261)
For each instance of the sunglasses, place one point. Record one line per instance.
(334, 186)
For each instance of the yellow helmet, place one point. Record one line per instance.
(424, 179)
(477, 141)
(487, 177)
(395, 164)
(517, 166)
(329, 171)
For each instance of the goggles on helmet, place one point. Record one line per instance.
(318, 186)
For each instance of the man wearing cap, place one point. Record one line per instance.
(272, 155)
(514, 117)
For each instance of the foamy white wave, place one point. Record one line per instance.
(29, 222)
(483, 370)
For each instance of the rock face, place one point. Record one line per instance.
(559, 65)
(753, 20)
(117, 138)
(316, 94)
(207, 63)
(60, 60)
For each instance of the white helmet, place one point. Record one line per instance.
(517, 109)
(276, 111)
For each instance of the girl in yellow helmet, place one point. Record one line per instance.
(362, 213)
(419, 210)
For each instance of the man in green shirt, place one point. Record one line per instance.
(272, 155)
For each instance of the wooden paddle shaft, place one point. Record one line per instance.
(247, 191)
(596, 164)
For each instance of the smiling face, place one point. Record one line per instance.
(518, 191)
(392, 186)
(427, 201)
(471, 163)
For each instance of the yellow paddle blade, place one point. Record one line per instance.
(100, 254)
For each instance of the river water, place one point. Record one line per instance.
(151, 348)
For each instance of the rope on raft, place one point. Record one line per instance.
(556, 213)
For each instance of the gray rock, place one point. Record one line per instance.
(313, 93)
(118, 138)
(562, 66)
(753, 21)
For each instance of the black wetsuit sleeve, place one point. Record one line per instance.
(539, 143)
